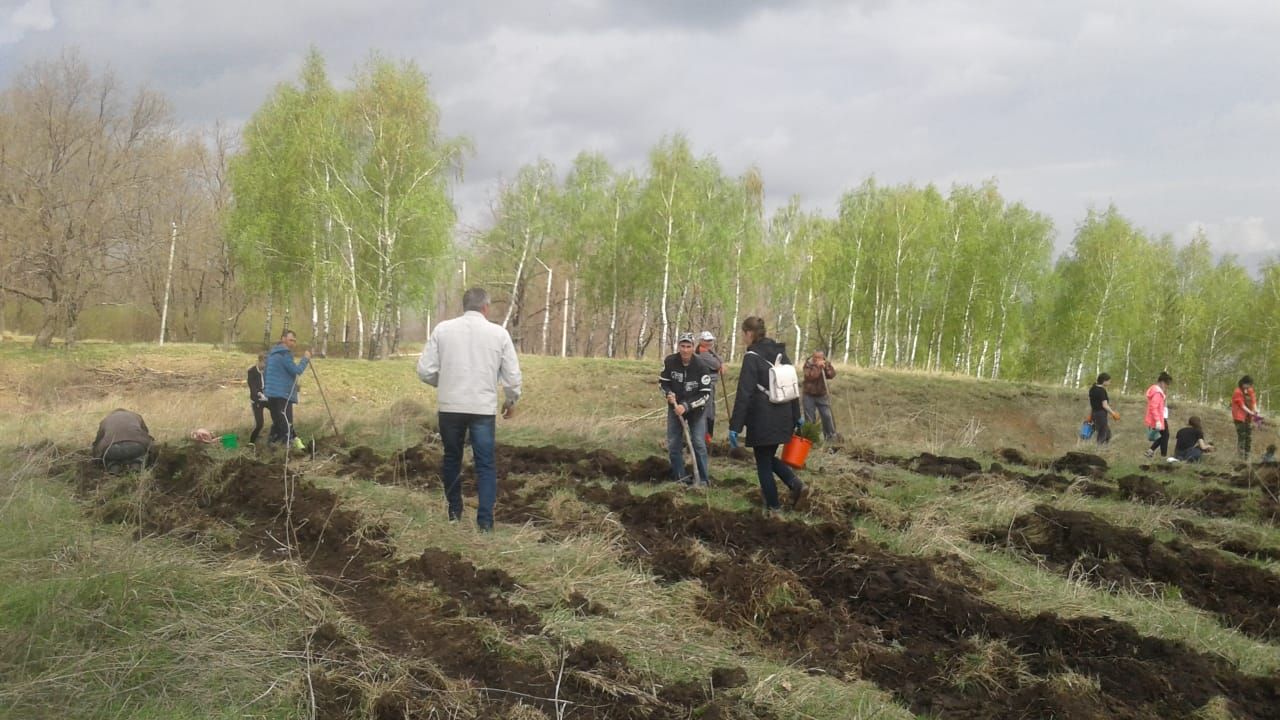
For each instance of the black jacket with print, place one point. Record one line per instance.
(691, 383)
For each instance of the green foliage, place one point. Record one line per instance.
(811, 431)
(346, 193)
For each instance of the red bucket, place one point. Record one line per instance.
(796, 451)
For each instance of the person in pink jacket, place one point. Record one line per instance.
(1157, 418)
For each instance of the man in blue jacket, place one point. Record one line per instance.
(281, 381)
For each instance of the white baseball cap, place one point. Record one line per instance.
(706, 335)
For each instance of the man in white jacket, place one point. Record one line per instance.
(465, 359)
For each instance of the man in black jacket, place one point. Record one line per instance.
(686, 384)
(257, 400)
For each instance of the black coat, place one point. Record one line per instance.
(255, 385)
(766, 423)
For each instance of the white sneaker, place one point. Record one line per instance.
(1172, 460)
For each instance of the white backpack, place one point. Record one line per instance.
(784, 386)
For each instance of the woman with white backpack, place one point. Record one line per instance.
(768, 406)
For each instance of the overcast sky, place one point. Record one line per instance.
(1168, 108)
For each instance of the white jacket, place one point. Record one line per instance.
(466, 358)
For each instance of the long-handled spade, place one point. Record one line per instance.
(688, 443)
(332, 422)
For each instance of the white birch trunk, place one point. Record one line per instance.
(737, 303)
(168, 281)
(564, 322)
(546, 313)
(355, 294)
(572, 299)
(795, 295)
(1128, 354)
(666, 261)
(266, 326)
(325, 324)
(613, 321)
(644, 327)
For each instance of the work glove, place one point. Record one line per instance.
(799, 424)
(733, 438)
(1115, 415)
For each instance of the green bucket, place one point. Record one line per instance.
(230, 441)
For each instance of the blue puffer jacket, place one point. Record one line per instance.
(281, 373)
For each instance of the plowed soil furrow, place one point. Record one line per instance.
(843, 604)
(355, 562)
(1243, 595)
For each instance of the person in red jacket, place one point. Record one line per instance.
(1157, 418)
(1244, 408)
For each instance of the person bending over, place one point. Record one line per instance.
(1190, 445)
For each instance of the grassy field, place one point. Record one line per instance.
(891, 592)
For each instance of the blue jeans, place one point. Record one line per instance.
(453, 433)
(767, 465)
(675, 442)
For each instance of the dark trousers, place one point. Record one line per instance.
(1191, 454)
(454, 428)
(1162, 443)
(710, 410)
(258, 409)
(124, 453)
(1244, 438)
(281, 420)
(1101, 427)
(820, 405)
(767, 465)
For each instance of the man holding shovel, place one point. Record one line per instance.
(280, 383)
(686, 384)
(817, 399)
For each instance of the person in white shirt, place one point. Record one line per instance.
(466, 358)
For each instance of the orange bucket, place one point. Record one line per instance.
(795, 451)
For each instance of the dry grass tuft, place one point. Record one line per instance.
(992, 665)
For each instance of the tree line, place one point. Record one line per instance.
(335, 204)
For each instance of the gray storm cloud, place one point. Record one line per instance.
(1167, 109)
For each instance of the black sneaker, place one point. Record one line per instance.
(685, 480)
(485, 528)
(454, 515)
(798, 492)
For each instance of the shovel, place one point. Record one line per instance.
(688, 443)
(320, 387)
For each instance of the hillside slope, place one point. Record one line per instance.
(948, 562)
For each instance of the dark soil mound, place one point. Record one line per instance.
(477, 592)
(1142, 488)
(1013, 456)
(816, 594)
(279, 515)
(1244, 595)
(1078, 463)
(1045, 481)
(1218, 502)
(941, 466)
(729, 677)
